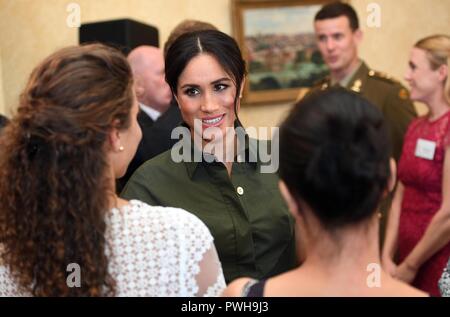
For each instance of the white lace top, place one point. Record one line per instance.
(155, 251)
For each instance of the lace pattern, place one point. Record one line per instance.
(154, 251)
(218, 287)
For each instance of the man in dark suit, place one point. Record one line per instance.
(158, 115)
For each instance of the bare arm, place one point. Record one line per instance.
(390, 244)
(210, 278)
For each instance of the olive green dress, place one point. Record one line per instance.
(252, 228)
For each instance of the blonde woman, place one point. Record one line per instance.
(419, 221)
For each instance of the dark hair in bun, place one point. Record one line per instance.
(334, 155)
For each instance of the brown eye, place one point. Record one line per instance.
(192, 92)
(220, 87)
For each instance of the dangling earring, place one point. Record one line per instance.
(121, 148)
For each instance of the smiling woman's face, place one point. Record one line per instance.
(422, 80)
(206, 92)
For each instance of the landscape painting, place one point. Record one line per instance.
(278, 42)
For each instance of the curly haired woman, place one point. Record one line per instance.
(74, 133)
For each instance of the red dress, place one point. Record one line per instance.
(422, 179)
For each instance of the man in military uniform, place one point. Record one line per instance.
(338, 36)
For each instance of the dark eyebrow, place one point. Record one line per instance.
(190, 86)
(220, 80)
(213, 83)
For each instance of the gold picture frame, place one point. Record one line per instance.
(278, 43)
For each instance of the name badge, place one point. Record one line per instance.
(425, 149)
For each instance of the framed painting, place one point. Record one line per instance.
(278, 43)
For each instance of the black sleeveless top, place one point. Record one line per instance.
(254, 288)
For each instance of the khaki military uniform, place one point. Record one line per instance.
(392, 99)
(387, 94)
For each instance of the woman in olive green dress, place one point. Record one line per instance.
(216, 171)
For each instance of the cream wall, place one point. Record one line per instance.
(2, 103)
(32, 29)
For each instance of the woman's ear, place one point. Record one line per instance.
(114, 138)
(443, 72)
(176, 99)
(241, 91)
(289, 199)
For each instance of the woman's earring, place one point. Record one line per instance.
(121, 148)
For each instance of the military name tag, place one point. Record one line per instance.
(425, 149)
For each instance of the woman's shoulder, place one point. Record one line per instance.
(425, 119)
(414, 127)
(142, 213)
(398, 288)
(392, 287)
(418, 121)
(160, 244)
